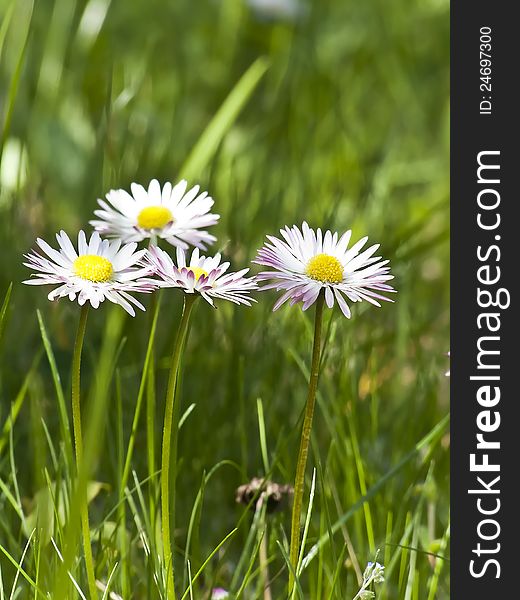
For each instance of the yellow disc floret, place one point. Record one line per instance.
(198, 272)
(93, 267)
(154, 217)
(325, 268)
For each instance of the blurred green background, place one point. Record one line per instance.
(343, 122)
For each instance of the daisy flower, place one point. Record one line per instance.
(204, 275)
(306, 262)
(171, 213)
(100, 269)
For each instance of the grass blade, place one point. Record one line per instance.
(208, 142)
(3, 310)
(228, 536)
(16, 406)
(62, 405)
(430, 438)
(297, 586)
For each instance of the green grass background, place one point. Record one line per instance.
(341, 119)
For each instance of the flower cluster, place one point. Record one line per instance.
(374, 573)
(102, 269)
(304, 264)
(307, 266)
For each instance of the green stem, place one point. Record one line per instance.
(150, 423)
(189, 299)
(305, 439)
(151, 407)
(140, 395)
(147, 372)
(78, 442)
(264, 561)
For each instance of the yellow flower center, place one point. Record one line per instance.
(154, 217)
(93, 267)
(198, 272)
(326, 268)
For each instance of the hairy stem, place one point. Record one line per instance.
(305, 439)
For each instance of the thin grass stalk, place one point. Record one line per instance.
(122, 536)
(78, 444)
(62, 408)
(140, 394)
(299, 481)
(166, 443)
(264, 561)
(124, 541)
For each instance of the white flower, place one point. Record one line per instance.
(206, 276)
(378, 575)
(374, 573)
(277, 9)
(306, 262)
(100, 269)
(173, 214)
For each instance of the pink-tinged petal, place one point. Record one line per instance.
(283, 298)
(342, 304)
(311, 298)
(329, 297)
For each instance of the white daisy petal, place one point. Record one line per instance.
(178, 191)
(94, 243)
(56, 256)
(166, 192)
(154, 189)
(66, 245)
(82, 243)
(139, 193)
(122, 201)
